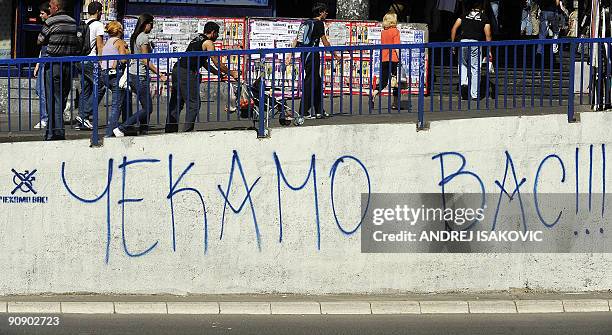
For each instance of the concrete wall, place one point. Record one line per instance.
(111, 242)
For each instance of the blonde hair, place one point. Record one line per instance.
(390, 20)
(114, 28)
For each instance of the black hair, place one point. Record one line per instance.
(94, 7)
(210, 26)
(143, 20)
(319, 8)
(45, 7)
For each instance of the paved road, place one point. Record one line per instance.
(540, 324)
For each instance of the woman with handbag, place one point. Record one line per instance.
(389, 59)
(112, 71)
(139, 77)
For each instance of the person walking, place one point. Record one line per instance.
(186, 78)
(475, 26)
(139, 78)
(389, 59)
(549, 19)
(96, 35)
(59, 34)
(39, 72)
(112, 70)
(311, 34)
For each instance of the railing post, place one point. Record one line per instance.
(261, 130)
(572, 70)
(421, 111)
(94, 131)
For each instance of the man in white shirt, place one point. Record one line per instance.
(96, 38)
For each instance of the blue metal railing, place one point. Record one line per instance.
(498, 76)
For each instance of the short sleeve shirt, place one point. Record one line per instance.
(318, 31)
(472, 25)
(137, 67)
(96, 28)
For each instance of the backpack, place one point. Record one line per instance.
(84, 37)
(304, 36)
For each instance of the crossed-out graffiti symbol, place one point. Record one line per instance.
(23, 181)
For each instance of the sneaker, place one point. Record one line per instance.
(41, 125)
(118, 133)
(308, 117)
(325, 115)
(88, 125)
(83, 124)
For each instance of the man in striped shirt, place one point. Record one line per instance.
(59, 34)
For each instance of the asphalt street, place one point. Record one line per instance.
(474, 324)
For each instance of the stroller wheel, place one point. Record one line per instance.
(298, 121)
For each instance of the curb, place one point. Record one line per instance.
(312, 307)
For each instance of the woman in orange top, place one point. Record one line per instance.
(390, 35)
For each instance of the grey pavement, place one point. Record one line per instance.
(489, 324)
(344, 110)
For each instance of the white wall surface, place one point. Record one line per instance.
(61, 246)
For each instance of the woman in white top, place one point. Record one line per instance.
(139, 78)
(112, 70)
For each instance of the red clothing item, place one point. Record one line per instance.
(390, 36)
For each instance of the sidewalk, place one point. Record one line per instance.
(501, 303)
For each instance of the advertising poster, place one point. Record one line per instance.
(173, 34)
(268, 33)
(414, 61)
(359, 70)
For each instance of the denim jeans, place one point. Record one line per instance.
(140, 86)
(86, 99)
(40, 90)
(526, 26)
(470, 67)
(548, 19)
(57, 83)
(111, 82)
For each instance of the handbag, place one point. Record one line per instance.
(123, 81)
(394, 83)
(396, 75)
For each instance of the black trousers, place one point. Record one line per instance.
(185, 89)
(58, 82)
(312, 88)
(385, 76)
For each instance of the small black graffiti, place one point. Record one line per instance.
(24, 181)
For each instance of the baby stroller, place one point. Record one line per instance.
(249, 104)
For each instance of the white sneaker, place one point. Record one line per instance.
(41, 125)
(83, 124)
(118, 132)
(87, 124)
